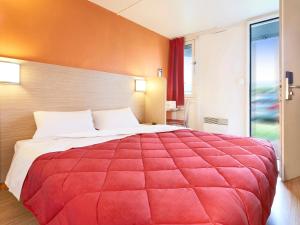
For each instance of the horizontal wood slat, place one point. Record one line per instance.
(58, 88)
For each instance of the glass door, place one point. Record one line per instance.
(264, 81)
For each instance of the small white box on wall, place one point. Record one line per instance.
(170, 105)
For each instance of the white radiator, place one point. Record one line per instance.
(215, 125)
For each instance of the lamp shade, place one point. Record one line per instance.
(9, 72)
(140, 85)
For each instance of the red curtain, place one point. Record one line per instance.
(175, 89)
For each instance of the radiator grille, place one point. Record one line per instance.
(213, 120)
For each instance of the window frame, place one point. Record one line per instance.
(249, 76)
(248, 65)
(192, 43)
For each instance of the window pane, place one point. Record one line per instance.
(265, 81)
(188, 69)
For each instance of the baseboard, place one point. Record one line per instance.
(3, 187)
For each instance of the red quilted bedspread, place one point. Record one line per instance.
(180, 177)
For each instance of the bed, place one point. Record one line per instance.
(146, 175)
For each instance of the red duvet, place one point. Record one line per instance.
(180, 177)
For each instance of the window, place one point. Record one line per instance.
(188, 68)
(264, 80)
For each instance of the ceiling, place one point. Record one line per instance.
(173, 18)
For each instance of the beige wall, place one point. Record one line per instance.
(220, 88)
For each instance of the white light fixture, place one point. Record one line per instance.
(9, 72)
(140, 85)
(160, 72)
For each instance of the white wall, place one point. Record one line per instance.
(220, 87)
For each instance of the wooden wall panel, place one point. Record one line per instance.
(155, 100)
(50, 87)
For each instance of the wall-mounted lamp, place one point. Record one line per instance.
(160, 72)
(140, 85)
(9, 72)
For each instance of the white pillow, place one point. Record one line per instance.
(112, 119)
(51, 124)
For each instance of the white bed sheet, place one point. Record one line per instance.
(27, 151)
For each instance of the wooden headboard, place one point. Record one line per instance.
(58, 88)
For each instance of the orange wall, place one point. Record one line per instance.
(78, 33)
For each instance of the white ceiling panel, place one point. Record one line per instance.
(173, 18)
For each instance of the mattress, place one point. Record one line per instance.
(175, 177)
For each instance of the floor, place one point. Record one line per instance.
(12, 212)
(286, 206)
(285, 211)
